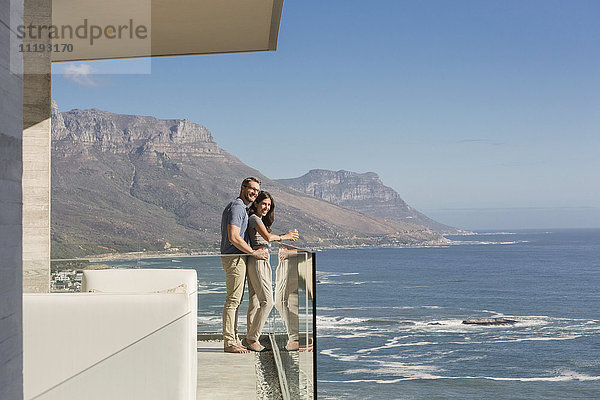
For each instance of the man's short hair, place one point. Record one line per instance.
(250, 179)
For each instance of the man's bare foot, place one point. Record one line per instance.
(234, 348)
(254, 345)
(292, 345)
(308, 348)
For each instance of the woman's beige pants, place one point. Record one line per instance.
(260, 291)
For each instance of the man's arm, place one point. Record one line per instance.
(233, 233)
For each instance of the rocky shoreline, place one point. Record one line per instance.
(166, 254)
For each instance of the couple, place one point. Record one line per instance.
(243, 234)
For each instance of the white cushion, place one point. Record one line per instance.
(106, 346)
(152, 280)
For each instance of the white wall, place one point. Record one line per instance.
(11, 166)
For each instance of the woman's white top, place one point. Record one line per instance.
(256, 240)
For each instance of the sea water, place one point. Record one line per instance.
(389, 320)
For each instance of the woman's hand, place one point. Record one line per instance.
(291, 235)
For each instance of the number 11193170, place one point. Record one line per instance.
(41, 48)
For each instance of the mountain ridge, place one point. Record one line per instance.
(124, 183)
(364, 192)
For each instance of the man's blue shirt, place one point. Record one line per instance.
(236, 213)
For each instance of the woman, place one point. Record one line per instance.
(260, 288)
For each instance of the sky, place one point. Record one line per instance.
(481, 114)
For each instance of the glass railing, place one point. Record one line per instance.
(295, 303)
(290, 326)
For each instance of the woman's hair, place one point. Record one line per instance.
(270, 217)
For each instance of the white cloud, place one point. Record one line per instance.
(80, 74)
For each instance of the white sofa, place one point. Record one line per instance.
(133, 337)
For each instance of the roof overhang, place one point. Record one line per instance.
(154, 28)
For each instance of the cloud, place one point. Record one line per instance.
(80, 74)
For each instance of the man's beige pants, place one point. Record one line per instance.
(235, 279)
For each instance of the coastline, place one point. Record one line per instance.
(157, 254)
(136, 254)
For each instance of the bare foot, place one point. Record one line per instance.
(292, 345)
(308, 348)
(236, 349)
(254, 345)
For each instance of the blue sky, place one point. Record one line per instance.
(482, 114)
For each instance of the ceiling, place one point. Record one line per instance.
(110, 29)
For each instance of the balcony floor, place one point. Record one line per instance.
(223, 375)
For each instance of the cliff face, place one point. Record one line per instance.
(362, 192)
(126, 182)
(116, 133)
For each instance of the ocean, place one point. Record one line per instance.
(389, 320)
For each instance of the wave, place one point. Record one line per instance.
(212, 291)
(343, 323)
(325, 278)
(387, 322)
(395, 342)
(319, 308)
(326, 282)
(536, 339)
(480, 242)
(330, 353)
(211, 288)
(463, 359)
(322, 274)
(564, 376)
(208, 320)
(421, 333)
(490, 233)
(528, 327)
(354, 335)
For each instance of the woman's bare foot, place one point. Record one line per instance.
(292, 345)
(234, 348)
(254, 345)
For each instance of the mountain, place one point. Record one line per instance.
(127, 183)
(362, 192)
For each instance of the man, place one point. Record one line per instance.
(234, 223)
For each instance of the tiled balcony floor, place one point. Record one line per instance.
(223, 375)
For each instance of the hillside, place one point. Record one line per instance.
(126, 183)
(362, 192)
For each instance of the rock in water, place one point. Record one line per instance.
(489, 321)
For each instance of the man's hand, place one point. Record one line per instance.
(283, 253)
(261, 254)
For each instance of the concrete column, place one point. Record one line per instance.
(36, 153)
(11, 133)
